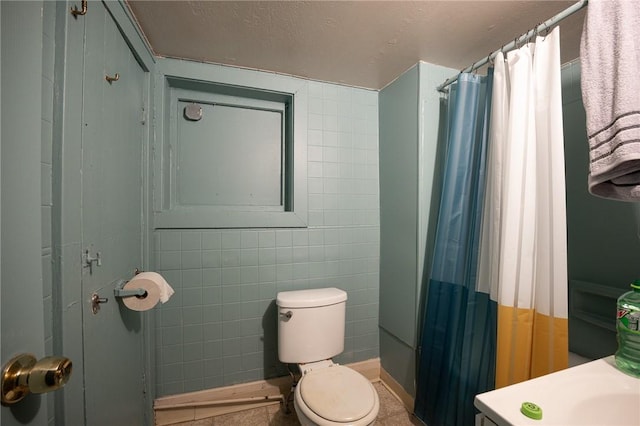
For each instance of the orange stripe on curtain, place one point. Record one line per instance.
(550, 345)
(529, 344)
(514, 341)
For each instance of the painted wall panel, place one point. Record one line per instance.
(239, 164)
(70, 65)
(208, 79)
(220, 326)
(46, 179)
(112, 142)
(603, 236)
(67, 160)
(21, 198)
(410, 149)
(399, 185)
(399, 360)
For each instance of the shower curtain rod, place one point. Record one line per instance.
(546, 25)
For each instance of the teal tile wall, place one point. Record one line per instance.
(220, 326)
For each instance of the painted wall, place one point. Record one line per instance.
(409, 149)
(26, 108)
(71, 85)
(603, 237)
(399, 135)
(46, 176)
(220, 326)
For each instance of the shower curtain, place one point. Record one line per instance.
(496, 303)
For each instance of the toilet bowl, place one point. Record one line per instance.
(334, 395)
(311, 326)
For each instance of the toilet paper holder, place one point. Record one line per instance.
(119, 290)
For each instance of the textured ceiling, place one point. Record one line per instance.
(359, 43)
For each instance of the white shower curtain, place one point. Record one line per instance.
(523, 260)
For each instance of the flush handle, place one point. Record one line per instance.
(286, 316)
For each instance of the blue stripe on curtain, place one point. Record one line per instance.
(458, 333)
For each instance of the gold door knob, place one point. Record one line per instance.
(50, 373)
(14, 378)
(23, 375)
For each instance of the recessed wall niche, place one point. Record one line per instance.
(230, 156)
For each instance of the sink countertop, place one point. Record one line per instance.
(595, 393)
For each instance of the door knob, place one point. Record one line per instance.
(23, 375)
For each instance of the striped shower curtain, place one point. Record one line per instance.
(496, 302)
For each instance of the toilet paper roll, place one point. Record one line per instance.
(153, 284)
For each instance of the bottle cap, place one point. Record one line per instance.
(635, 285)
(531, 410)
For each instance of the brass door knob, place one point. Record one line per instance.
(23, 375)
(50, 373)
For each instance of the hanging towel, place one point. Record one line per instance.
(610, 62)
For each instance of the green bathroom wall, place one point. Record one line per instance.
(79, 71)
(399, 186)
(409, 148)
(220, 326)
(46, 176)
(177, 206)
(603, 238)
(25, 104)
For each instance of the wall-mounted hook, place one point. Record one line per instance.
(112, 79)
(90, 260)
(96, 300)
(75, 12)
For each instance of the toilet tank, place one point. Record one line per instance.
(310, 324)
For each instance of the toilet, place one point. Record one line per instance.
(311, 327)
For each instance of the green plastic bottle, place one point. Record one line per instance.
(628, 326)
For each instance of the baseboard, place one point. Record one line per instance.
(395, 388)
(245, 396)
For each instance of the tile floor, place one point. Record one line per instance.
(392, 413)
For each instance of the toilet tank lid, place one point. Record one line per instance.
(310, 298)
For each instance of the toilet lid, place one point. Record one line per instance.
(337, 393)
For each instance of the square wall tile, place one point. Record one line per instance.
(191, 240)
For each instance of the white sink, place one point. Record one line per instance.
(595, 393)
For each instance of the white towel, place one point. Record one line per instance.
(610, 79)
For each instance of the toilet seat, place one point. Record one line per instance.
(337, 395)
